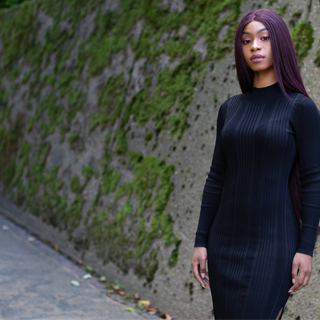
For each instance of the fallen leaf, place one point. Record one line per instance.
(165, 316)
(115, 286)
(122, 292)
(136, 296)
(152, 310)
(75, 283)
(129, 309)
(88, 268)
(102, 279)
(80, 261)
(144, 302)
(56, 247)
(5, 228)
(111, 290)
(87, 276)
(31, 238)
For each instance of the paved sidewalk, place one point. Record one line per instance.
(35, 283)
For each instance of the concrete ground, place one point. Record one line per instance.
(35, 283)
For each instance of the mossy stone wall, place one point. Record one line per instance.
(107, 126)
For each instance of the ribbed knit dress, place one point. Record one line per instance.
(247, 222)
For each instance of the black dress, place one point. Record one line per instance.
(247, 220)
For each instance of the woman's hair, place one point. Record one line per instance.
(284, 58)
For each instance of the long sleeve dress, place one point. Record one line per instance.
(247, 222)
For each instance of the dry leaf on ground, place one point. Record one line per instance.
(165, 316)
(152, 310)
(115, 286)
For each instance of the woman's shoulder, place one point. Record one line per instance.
(304, 109)
(233, 99)
(303, 103)
(231, 103)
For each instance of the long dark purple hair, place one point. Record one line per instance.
(287, 72)
(284, 58)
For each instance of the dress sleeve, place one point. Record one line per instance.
(307, 131)
(212, 189)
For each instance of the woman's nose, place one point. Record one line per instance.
(255, 45)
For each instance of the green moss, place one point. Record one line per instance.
(302, 37)
(74, 213)
(74, 137)
(172, 85)
(65, 82)
(107, 138)
(271, 2)
(110, 180)
(17, 33)
(152, 186)
(215, 97)
(88, 173)
(26, 77)
(110, 101)
(23, 160)
(148, 268)
(9, 172)
(295, 17)
(282, 10)
(148, 137)
(121, 142)
(317, 58)
(9, 145)
(162, 97)
(76, 101)
(173, 88)
(75, 185)
(173, 259)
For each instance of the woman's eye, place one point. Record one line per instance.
(245, 41)
(265, 38)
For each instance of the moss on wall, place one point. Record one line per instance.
(302, 37)
(52, 99)
(128, 235)
(282, 10)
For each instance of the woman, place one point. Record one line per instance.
(248, 230)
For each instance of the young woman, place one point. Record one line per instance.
(267, 136)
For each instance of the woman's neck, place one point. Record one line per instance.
(264, 78)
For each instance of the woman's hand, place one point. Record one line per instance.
(302, 263)
(198, 264)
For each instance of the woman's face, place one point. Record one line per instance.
(256, 47)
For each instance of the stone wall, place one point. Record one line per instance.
(107, 125)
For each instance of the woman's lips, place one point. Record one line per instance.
(257, 59)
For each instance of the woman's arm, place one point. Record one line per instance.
(210, 203)
(212, 188)
(307, 130)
